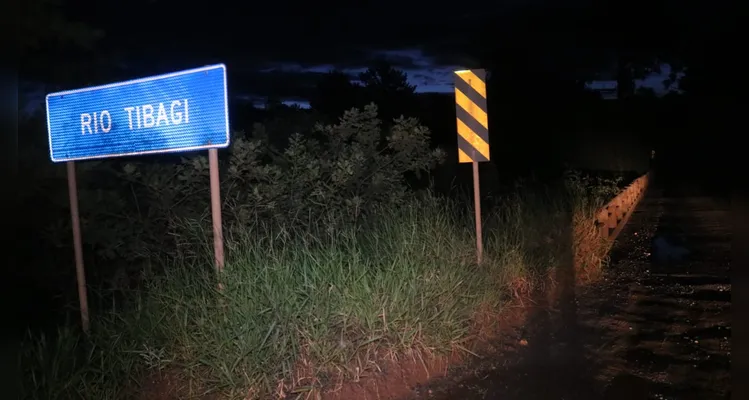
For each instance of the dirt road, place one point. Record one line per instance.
(653, 328)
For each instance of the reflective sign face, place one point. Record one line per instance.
(471, 113)
(181, 111)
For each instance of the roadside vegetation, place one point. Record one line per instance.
(334, 264)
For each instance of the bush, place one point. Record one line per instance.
(325, 179)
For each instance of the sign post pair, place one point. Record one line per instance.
(473, 134)
(176, 112)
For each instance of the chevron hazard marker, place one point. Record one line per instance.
(473, 134)
(471, 115)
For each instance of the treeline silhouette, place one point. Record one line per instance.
(539, 124)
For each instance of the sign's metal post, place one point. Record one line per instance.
(78, 246)
(477, 206)
(218, 236)
(473, 134)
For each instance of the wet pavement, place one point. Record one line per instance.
(657, 326)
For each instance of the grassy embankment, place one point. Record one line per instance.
(305, 312)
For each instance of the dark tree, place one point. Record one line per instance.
(388, 87)
(334, 94)
(54, 48)
(578, 40)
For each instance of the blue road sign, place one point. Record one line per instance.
(181, 111)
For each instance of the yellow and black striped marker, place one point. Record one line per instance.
(471, 112)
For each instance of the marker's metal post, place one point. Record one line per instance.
(218, 236)
(477, 202)
(77, 246)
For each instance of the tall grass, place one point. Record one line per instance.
(299, 312)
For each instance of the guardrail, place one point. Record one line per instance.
(614, 215)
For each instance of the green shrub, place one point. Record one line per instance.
(331, 176)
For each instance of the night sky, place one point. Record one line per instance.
(281, 48)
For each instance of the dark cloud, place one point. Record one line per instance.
(252, 34)
(398, 60)
(259, 40)
(277, 83)
(248, 34)
(424, 79)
